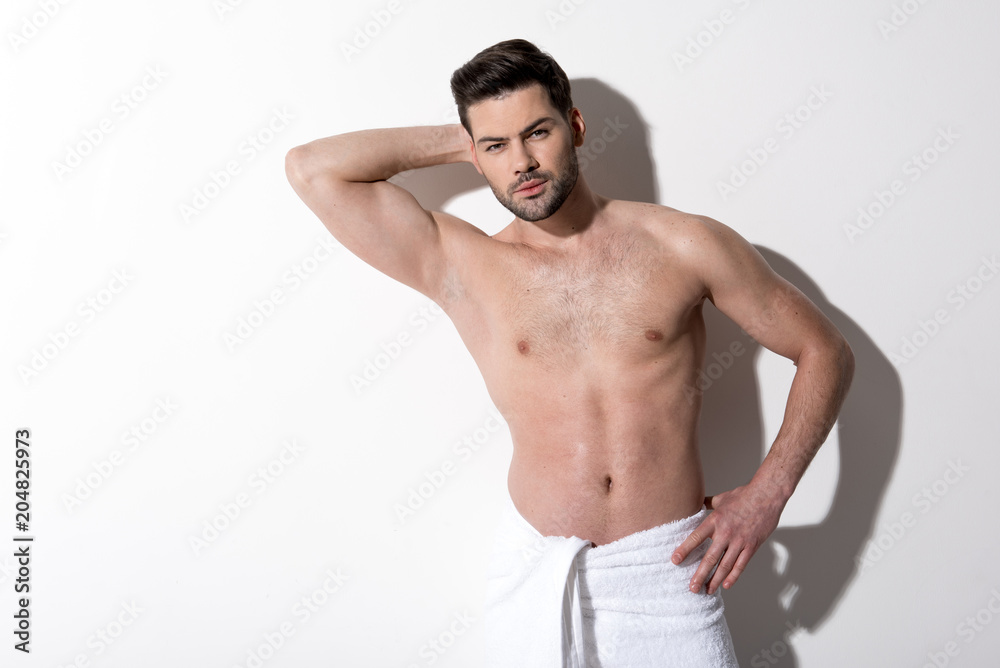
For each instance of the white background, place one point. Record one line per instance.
(883, 555)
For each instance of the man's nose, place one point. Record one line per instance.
(524, 161)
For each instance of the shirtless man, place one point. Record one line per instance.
(584, 314)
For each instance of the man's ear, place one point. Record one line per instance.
(577, 125)
(472, 152)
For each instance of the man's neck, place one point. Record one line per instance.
(566, 228)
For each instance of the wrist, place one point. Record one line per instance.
(773, 488)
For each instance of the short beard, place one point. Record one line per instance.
(541, 206)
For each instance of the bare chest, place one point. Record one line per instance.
(623, 300)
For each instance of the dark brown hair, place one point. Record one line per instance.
(504, 68)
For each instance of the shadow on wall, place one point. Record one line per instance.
(765, 607)
(820, 560)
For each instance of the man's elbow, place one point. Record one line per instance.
(296, 162)
(833, 350)
(839, 355)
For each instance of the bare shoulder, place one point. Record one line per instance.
(706, 252)
(679, 232)
(690, 232)
(738, 280)
(716, 253)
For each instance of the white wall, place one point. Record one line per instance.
(170, 287)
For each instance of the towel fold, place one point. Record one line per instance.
(555, 602)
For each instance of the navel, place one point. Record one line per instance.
(607, 482)
(523, 347)
(654, 334)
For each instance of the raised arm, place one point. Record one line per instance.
(343, 180)
(776, 314)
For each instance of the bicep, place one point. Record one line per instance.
(382, 224)
(743, 286)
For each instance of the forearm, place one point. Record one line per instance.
(822, 378)
(375, 155)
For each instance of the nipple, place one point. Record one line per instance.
(654, 335)
(522, 347)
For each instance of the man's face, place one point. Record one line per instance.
(521, 139)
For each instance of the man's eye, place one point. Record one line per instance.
(541, 131)
(492, 146)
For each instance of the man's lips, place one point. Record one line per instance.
(531, 187)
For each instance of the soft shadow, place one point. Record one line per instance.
(615, 155)
(820, 564)
(434, 186)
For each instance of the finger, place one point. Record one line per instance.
(708, 562)
(738, 569)
(727, 564)
(701, 533)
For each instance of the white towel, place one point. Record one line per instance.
(555, 602)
